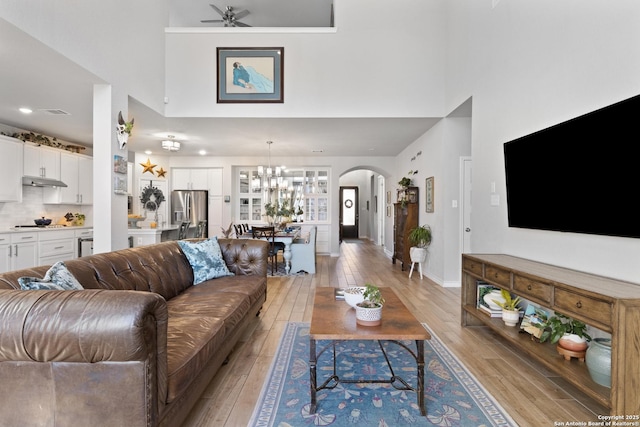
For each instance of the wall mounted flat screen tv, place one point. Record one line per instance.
(579, 176)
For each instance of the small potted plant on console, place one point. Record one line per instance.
(570, 334)
(369, 311)
(510, 309)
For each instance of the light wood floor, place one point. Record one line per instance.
(530, 394)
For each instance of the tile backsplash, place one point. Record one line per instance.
(32, 207)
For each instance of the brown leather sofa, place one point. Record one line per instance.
(136, 347)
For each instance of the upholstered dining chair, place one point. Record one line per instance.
(268, 234)
(303, 253)
(183, 229)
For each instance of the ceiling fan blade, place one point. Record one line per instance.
(241, 14)
(242, 24)
(206, 21)
(217, 9)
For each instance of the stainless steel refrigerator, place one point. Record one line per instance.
(189, 205)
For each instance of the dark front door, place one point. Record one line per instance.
(349, 213)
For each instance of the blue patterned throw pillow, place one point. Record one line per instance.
(57, 278)
(205, 258)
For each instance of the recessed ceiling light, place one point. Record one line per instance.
(202, 152)
(147, 152)
(25, 110)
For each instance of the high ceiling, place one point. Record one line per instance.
(61, 87)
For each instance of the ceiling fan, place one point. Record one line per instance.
(229, 17)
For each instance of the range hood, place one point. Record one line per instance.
(35, 181)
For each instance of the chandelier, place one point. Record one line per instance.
(170, 144)
(270, 176)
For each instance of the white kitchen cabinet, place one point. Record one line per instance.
(23, 250)
(189, 179)
(41, 161)
(11, 164)
(55, 245)
(77, 172)
(5, 250)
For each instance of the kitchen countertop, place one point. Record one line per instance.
(40, 229)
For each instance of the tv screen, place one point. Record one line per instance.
(579, 176)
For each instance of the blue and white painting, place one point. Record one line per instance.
(250, 74)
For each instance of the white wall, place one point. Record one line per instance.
(363, 69)
(530, 65)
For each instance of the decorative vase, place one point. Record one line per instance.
(368, 316)
(510, 317)
(598, 360)
(573, 342)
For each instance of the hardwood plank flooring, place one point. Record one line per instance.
(532, 395)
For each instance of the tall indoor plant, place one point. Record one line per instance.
(420, 238)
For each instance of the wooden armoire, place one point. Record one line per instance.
(405, 218)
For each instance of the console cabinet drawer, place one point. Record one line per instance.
(497, 275)
(532, 288)
(573, 303)
(472, 266)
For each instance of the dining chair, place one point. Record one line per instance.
(183, 229)
(303, 253)
(201, 229)
(268, 234)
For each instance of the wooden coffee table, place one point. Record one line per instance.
(335, 321)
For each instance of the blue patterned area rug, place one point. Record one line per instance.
(453, 396)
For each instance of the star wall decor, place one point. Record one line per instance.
(148, 167)
(161, 172)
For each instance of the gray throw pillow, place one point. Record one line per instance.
(206, 259)
(57, 278)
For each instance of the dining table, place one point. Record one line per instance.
(287, 237)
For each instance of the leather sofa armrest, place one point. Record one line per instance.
(84, 326)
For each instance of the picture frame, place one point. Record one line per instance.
(263, 67)
(389, 210)
(388, 196)
(119, 185)
(429, 196)
(533, 315)
(119, 164)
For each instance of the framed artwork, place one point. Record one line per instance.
(119, 164)
(429, 194)
(388, 210)
(534, 315)
(250, 74)
(412, 194)
(119, 185)
(388, 196)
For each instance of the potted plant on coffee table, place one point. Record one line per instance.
(420, 238)
(510, 309)
(369, 311)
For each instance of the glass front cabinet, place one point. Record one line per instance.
(300, 195)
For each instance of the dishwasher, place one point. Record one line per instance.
(85, 246)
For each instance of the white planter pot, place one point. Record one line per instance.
(418, 254)
(510, 317)
(368, 316)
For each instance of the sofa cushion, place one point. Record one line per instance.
(205, 258)
(191, 342)
(57, 278)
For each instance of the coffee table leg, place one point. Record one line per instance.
(420, 361)
(312, 374)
